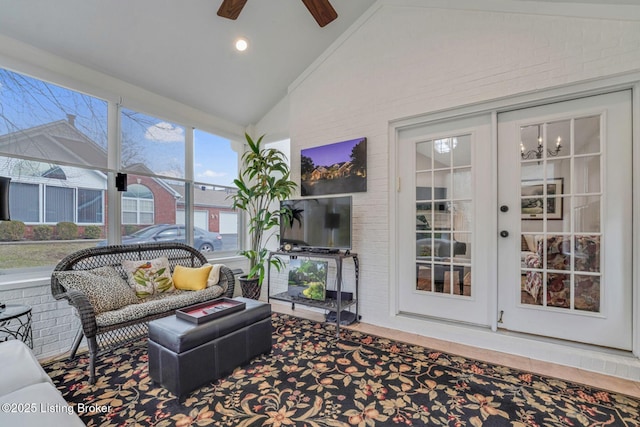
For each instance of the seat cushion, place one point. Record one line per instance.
(20, 368)
(158, 304)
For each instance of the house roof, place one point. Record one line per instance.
(62, 142)
(57, 141)
(207, 196)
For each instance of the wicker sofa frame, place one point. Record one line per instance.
(101, 338)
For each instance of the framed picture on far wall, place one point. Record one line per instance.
(334, 168)
(308, 279)
(532, 198)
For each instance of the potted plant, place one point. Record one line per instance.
(262, 183)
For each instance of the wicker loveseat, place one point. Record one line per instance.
(108, 329)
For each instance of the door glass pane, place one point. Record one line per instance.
(559, 290)
(586, 213)
(587, 293)
(530, 142)
(462, 216)
(559, 138)
(560, 244)
(461, 184)
(462, 152)
(424, 280)
(442, 152)
(423, 155)
(563, 205)
(559, 176)
(587, 253)
(442, 181)
(444, 215)
(587, 174)
(587, 135)
(531, 171)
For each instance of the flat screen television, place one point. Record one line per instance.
(318, 224)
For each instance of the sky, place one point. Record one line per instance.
(327, 155)
(26, 102)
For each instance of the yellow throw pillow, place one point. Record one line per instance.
(191, 279)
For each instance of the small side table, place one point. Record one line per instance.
(15, 322)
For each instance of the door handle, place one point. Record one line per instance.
(504, 233)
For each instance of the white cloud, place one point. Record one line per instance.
(212, 174)
(164, 132)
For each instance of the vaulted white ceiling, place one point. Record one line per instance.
(182, 50)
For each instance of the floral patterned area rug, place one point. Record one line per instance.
(312, 379)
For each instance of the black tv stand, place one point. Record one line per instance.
(337, 301)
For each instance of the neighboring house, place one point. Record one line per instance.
(319, 173)
(41, 193)
(211, 208)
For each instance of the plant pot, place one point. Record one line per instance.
(250, 287)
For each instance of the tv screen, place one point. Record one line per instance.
(322, 223)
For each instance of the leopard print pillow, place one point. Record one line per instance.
(105, 292)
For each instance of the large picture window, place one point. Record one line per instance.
(54, 147)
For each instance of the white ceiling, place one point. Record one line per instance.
(181, 49)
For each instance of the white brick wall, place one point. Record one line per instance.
(407, 61)
(54, 324)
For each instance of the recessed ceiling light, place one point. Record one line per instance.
(242, 44)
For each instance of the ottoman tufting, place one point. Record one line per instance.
(184, 356)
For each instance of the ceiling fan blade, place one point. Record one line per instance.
(231, 8)
(321, 10)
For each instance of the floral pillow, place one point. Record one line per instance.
(149, 277)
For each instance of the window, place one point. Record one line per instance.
(152, 145)
(24, 201)
(215, 166)
(137, 205)
(90, 206)
(53, 146)
(45, 193)
(59, 204)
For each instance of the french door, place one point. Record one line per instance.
(441, 273)
(564, 194)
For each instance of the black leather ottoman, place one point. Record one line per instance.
(184, 356)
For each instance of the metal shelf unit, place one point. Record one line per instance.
(337, 304)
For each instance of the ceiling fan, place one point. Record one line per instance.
(321, 10)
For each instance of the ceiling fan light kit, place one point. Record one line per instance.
(321, 10)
